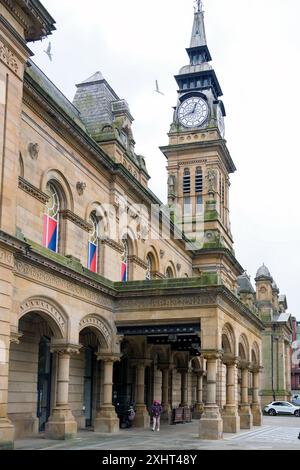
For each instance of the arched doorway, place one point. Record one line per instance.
(32, 370)
(44, 382)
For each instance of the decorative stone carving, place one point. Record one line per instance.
(33, 191)
(167, 302)
(6, 258)
(59, 282)
(34, 150)
(63, 348)
(112, 244)
(81, 187)
(178, 267)
(8, 57)
(172, 185)
(162, 254)
(44, 305)
(212, 180)
(94, 321)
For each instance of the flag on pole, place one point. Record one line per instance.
(50, 240)
(92, 259)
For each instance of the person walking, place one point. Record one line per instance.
(156, 411)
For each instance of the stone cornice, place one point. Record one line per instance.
(112, 244)
(33, 190)
(69, 215)
(136, 260)
(221, 251)
(15, 36)
(207, 145)
(32, 16)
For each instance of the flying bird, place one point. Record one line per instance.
(157, 89)
(48, 51)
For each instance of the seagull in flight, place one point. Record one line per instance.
(48, 51)
(157, 89)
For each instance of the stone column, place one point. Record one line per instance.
(184, 386)
(107, 420)
(288, 370)
(256, 405)
(7, 430)
(142, 418)
(246, 417)
(62, 424)
(231, 419)
(199, 394)
(165, 369)
(211, 424)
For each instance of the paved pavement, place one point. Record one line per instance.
(277, 433)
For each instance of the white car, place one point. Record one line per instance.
(282, 407)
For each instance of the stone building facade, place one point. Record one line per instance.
(295, 357)
(276, 337)
(96, 312)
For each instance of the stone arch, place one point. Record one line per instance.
(228, 339)
(107, 217)
(132, 241)
(21, 165)
(171, 268)
(153, 253)
(101, 328)
(255, 354)
(197, 363)
(50, 311)
(244, 348)
(63, 187)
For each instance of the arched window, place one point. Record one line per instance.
(169, 273)
(149, 270)
(51, 219)
(93, 244)
(187, 181)
(199, 180)
(125, 262)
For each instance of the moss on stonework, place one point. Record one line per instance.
(210, 216)
(207, 279)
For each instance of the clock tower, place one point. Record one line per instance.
(199, 162)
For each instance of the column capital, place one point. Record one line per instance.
(230, 360)
(141, 362)
(165, 366)
(65, 348)
(108, 357)
(199, 372)
(257, 369)
(243, 364)
(15, 337)
(211, 354)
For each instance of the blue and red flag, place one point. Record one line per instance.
(50, 240)
(124, 272)
(92, 259)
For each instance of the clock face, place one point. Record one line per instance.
(193, 112)
(221, 122)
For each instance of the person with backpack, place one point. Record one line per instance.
(156, 412)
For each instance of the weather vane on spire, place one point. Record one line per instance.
(198, 6)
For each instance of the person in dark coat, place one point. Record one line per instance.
(156, 412)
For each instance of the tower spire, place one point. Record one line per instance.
(198, 6)
(198, 34)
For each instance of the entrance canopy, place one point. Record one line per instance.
(181, 337)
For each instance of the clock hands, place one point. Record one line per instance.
(191, 112)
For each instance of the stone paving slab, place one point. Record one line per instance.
(277, 433)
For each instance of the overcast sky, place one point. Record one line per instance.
(255, 45)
